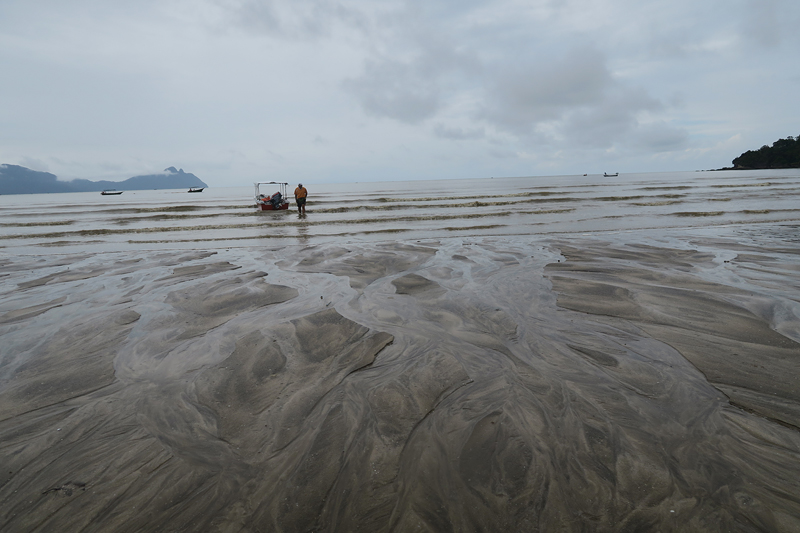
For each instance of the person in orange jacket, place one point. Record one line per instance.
(300, 195)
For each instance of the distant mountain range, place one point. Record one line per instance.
(15, 179)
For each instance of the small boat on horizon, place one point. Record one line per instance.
(196, 189)
(607, 175)
(111, 192)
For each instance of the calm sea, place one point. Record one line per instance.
(379, 211)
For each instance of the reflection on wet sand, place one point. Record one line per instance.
(587, 384)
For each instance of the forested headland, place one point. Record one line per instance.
(784, 153)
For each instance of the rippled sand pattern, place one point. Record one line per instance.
(627, 382)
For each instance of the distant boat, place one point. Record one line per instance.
(110, 192)
(607, 175)
(196, 189)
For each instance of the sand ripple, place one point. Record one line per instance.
(454, 385)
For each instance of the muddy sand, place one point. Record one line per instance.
(554, 384)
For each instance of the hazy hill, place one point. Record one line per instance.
(15, 179)
(784, 153)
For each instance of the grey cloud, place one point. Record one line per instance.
(763, 21)
(304, 19)
(34, 163)
(258, 16)
(522, 96)
(502, 153)
(457, 133)
(574, 99)
(395, 90)
(660, 137)
(766, 23)
(607, 120)
(415, 88)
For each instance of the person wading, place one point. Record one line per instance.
(300, 195)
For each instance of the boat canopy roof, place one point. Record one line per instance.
(283, 185)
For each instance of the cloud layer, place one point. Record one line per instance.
(356, 90)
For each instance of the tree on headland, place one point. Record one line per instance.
(784, 153)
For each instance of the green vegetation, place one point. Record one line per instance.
(784, 153)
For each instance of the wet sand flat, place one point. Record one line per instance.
(617, 382)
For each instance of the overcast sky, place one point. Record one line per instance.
(236, 91)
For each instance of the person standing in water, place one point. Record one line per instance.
(300, 195)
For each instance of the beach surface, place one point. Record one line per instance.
(639, 381)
